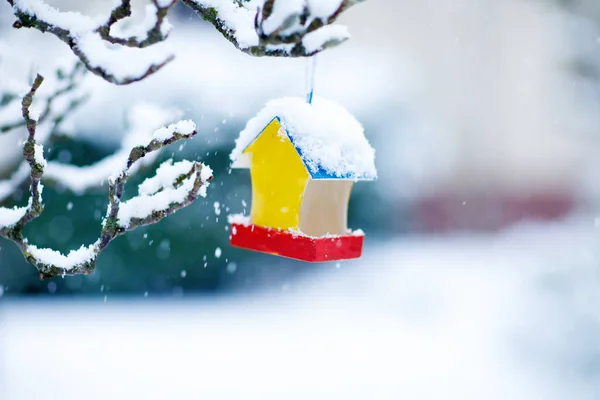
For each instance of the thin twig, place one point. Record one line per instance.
(72, 84)
(49, 115)
(36, 164)
(35, 207)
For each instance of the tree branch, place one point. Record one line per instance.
(298, 33)
(177, 188)
(34, 156)
(266, 31)
(82, 34)
(71, 100)
(156, 34)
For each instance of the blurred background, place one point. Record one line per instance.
(481, 270)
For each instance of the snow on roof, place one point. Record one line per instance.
(330, 141)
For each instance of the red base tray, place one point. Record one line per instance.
(291, 245)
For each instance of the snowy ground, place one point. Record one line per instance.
(507, 316)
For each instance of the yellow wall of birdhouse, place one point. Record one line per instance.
(279, 179)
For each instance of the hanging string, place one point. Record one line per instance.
(311, 66)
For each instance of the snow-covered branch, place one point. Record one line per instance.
(33, 154)
(174, 187)
(91, 39)
(154, 29)
(282, 28)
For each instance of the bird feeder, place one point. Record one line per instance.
(304, 160)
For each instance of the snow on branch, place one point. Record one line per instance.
(92, 41)
(154, 29)
(283, 28)
(174, 187)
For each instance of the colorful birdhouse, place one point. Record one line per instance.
(304, 160)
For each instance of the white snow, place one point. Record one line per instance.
(349, 232)
(239, 20)
(326, 134)
(239, 219)
(315, 41)
(143, 206)
(72, 21)
(39, 155)
(495, 317)
(149, 201)
(57, 259)
(10, 216)
(35, 112)
(206, 173)
(165, 175)
(166, 27)
(185, 127)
